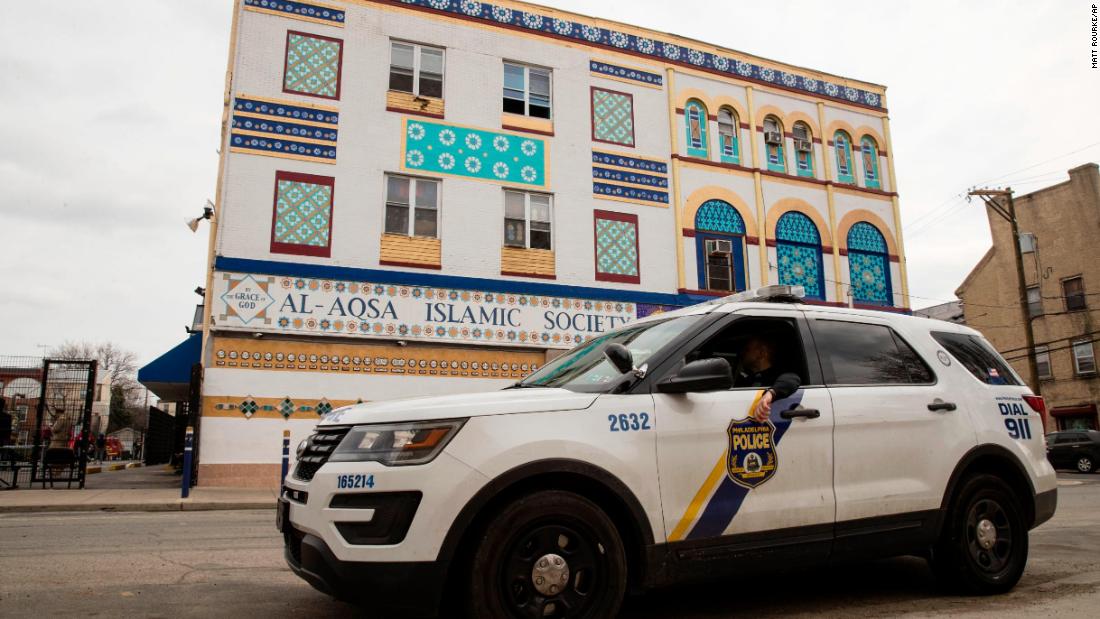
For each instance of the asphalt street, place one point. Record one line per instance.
(229, 563)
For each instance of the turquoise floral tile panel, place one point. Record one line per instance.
(617, 247)
(312, 65)
(475, 153)
(801, 266)
(303, 214)
(870, 278)
(612, 117)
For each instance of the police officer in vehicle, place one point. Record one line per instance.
(757, 369)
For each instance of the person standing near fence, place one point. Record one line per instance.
(101, 447)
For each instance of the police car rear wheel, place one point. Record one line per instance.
(548, 554)
(985, 543)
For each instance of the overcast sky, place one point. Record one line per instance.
(109, 125)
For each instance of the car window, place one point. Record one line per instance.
(866, 354)
(779, 335)
(1060, 439)
(977, 357)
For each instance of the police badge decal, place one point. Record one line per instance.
(752, 458)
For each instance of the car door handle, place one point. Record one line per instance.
(809, 413)
(940, 405)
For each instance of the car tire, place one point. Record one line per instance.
(547, 554)
(1085, 464)
(984, 544)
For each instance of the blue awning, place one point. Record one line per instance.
(169, 375)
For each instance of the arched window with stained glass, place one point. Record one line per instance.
(773, 144)
(842, 142)
(869, 266)
(728, 129)
(798, 253)
(869, 148)
(803, 149)
(695, 119)
(720, 247)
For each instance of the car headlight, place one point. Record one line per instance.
(397, 444)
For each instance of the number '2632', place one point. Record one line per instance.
(629, 422)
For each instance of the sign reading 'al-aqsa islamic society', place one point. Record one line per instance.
(266, 303)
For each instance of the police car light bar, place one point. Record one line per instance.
(767, 294)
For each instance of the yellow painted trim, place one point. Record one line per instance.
(828, 169)
(796, 116)
(714, 169)
(265, 153)
(853, 190)
(786, 205)
(308, 123)
(688, 94)
(326, 108)
(528, 261)
(527, 122)
(324, 22)
(761, 231)
(714, 192)
(289, 138)
(897, 215)
(855, 216)
(863, 130)
(826, 161)
(770, 110)
(426, 251)
(674, 167)
(624, 80)
(638, 201)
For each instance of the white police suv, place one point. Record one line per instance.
(633, 461)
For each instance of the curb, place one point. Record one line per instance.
(92, 470)
(177, 505)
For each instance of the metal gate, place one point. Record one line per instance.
(62, 435)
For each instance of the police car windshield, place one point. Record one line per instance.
(586, 369)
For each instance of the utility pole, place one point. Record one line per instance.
(1007, 212)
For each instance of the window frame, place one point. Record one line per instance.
(1087, 343)
(417, 52)
(695, 106)
(527, 89)
(1034, 306)
(527, 219)
(780, 149)
(630, 218)
(339, 65)
(411, 206)
(841, 177)
(829, 372)
(1043, 352)
(734, 135)
(633, 126)
(1083, 297)
(819, 247)
(872, 179)
(808, 171)
(1009, 372)
(281, 247)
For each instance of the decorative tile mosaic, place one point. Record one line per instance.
(612, 117)
(283, 130)
(312, 65)
(719, 216)
(477, 153)
(637, 75)
(296, 9)
(617, 247)
(649, 48)
(303, 214)
(617, 177)
(270, 408)
(868, 265)
(798, 252)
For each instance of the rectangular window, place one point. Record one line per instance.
(526, 90)
(719, 264)
(421, 196)
(865, 354)
(1034, 301)
(617, 247)
(302, 218)
(1073, 290)
(417, 69)
(978, 357)
(1084, 359)
(527, 220)
(1042, 362)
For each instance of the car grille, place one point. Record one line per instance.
(317, 451)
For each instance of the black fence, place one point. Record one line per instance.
(45, 433)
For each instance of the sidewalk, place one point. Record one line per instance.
(135, 500)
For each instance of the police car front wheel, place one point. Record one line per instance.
(548, 554)
(985, 542)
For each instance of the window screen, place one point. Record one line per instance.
(977, 357)
(865, 354)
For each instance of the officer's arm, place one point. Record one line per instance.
(785, 385)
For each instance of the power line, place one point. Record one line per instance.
(1040, 163)
(1066, 347)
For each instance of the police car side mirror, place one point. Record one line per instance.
(620, 357)
(712, 374)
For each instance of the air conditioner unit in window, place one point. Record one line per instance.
(773, 137)
(719, 247)
(802, 146)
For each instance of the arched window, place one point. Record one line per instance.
(695, 117)
(843, 145)
(728, 130)
(720, 246)
(773, 144)
(803, 149)
(870, 162)
(798, 252)
(869, 266)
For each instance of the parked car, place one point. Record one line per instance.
(633, 461)
(1074, 449)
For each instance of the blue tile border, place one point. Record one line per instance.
(644, 77)
(290, 112)
(629, 193)
(278, 128)
(623, 161)
(646, 47)
(284, 146)
(622, 176)
(298, 8)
